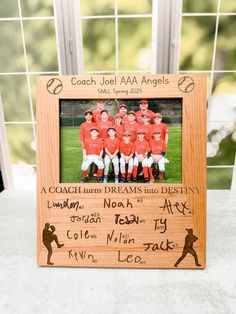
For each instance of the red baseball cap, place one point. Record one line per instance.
(141, 131)
(118, 115)
(132, 112)
(157, 115)
(143, 101)
(123, 105)
(146, 115)
(94, 128)
(126, 134)
(88, 111)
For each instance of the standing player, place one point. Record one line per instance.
(143, 105)
(159, 126)
(97, 112)
(104, 124)
(126, 153)
(123, 111)
(146, 126)
(92, 153)
(158, 151)
(141, 149)
(111, 145)
(131, 126)
(119, 126)
(86, 126)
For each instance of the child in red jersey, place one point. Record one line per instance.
(97, 112)
(158, 151)
(141, 149)
(131, 126)
(111, 145)
(146, 126)
(104, 124)
(119, 126)
(123, 112)
(143, 105)
(86, 126)
(92, 152)
(159, 126)
(126, 153)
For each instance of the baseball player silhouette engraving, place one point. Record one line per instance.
(48, 238)
(188, 247)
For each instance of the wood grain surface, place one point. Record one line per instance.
(122, 225)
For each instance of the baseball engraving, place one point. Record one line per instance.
(54, 86)
(186, 84)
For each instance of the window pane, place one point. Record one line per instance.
(228, 6)
(20, 140)
(99, 44)
(219, 179)
(41, 45)
(221, 146)
(208, 6)
(224, 83)
(226, 50)
(98, 7)
(37, 8)
(15, 98)
(135, 36)
(197, 40)
(9, 8)
(134, 7)
(11, 52)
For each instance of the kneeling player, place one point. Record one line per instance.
(126, 153)
(111, 145)
(158, 151)
(92, 152)
(141, 148)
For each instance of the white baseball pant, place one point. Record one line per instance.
(144, 162)
(161, 163)
(115, 162)
(91, 159)
(122, 165)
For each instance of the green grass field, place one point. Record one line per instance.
(71, 156)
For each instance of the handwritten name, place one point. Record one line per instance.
(181, 207)
(112, 204)
(119, 238)
(128, 220)
(87, 219)
(165, 245)
(66, 204)
(81, 255)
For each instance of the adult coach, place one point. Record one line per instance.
(143, 105)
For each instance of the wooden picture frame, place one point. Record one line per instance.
(138, 225)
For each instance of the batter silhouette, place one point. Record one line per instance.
(188, 247)
(48, 238)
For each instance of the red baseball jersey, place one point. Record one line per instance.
(103, 127)
(127, 148)
(132, 128)
(97, 115)
(141, 147)
(140, 113)
(119, 131)
(162, 127)
(93, 147)
(146, 128)
(125, 117)
(111, 145)
(85, 130)
(157, 147)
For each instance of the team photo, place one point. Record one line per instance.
(121, 141)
